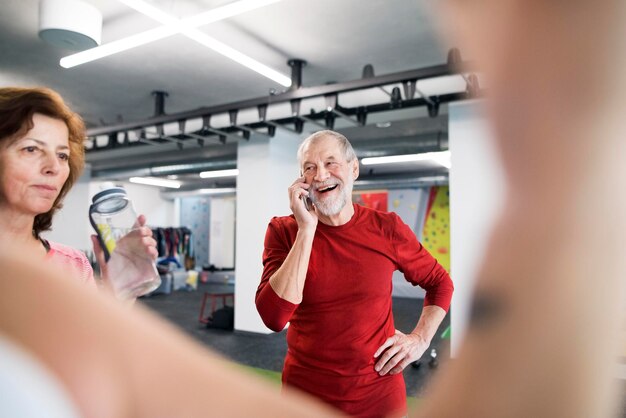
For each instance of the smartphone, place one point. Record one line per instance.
(308, 205)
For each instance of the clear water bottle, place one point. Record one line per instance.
(112, 216)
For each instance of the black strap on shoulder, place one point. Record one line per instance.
(46, 244)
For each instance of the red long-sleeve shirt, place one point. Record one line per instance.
(345, 314)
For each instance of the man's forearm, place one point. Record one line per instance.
(288, 280)
(429, 322)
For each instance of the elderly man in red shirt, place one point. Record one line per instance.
(328, 270)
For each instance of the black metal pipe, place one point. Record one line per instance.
(322, 119)
(159, 102)
(296, 72)
(301, 93)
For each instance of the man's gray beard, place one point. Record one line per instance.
(332, 207)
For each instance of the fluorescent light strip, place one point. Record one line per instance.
(224, 12)
(154, 181)
(214, 15)
(238, 57)
(198, 192)
(150, 11)
(118, 46)
(219, 173)
(217, 191)
(187, 27)
(442, 158)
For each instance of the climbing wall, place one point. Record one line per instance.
(436, 232)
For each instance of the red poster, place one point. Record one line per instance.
(376, 200)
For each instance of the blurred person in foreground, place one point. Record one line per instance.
(557, 93)
(69, 352)
(549, 298)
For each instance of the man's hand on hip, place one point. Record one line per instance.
(399, 351)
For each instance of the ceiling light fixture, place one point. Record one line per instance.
(238, 57)
(219, 173)
(226, 190)
(114, 47)
(442, 158)
(187, 27)
(70, 24)
(177, 194)
(437, 86)
(214, 15)
(155, 181)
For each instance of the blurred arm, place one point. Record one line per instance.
(120, 363)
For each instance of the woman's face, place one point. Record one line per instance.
(34, 167)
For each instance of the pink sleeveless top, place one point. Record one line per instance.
(72, 259)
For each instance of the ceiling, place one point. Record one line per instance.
(337, 38)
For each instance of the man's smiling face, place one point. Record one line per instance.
(331, 177)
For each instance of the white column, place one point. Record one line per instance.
(476, 197)
(267, 166)
(222, 232)
(70, 225)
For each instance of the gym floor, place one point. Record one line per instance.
(268, 351)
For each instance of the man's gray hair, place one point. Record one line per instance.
(344, 144)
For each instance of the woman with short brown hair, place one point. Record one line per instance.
(41, 157)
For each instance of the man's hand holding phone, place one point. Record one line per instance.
(301, 205)
(308, 204)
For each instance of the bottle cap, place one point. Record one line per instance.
(111, 200)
